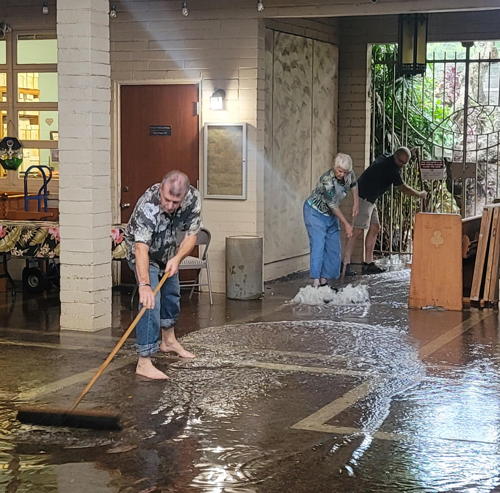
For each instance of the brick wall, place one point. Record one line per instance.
(85, 172)
(216, 47)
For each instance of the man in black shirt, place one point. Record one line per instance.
(373, 182)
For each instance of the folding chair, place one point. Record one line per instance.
(199, 263)
(192, 263)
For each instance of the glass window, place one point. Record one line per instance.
(37, 157)
(36, 48)
(31, 94)
(3, 52)
(39, 87)
(3, 87)
(38, 125)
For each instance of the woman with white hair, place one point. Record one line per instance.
(322, 217)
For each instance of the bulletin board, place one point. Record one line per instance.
(225, 158)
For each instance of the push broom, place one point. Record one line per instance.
(73, 418)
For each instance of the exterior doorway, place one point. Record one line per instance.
(450, 115)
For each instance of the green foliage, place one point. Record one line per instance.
(407, 111)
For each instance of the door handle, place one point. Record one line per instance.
(125, 205)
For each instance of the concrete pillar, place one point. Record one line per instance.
(85, 163)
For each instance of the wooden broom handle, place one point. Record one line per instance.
(119, 344)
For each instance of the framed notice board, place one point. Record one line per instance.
(225, 159)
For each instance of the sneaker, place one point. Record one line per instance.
(371, 268)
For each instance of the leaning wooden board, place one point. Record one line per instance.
(491, 276)
(486, 268)
(436, 272)
(482, 248)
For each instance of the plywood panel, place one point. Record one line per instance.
(324, 121)
(491, 278)
(300, 134)
(268, 144)
(436, 273)
(289, 174)
(482, 248)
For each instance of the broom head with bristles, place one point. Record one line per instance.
(95, 420)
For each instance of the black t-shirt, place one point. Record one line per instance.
(378, 177)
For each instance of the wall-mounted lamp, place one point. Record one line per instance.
(185, 10)
(260, 5)
(217, 99)
(113, 13)
(45, 7)
(412, 44)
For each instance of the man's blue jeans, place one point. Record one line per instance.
(162, 316)
(324, 242)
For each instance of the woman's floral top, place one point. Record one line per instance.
(330, 191)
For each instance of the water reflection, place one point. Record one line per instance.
(224, 422)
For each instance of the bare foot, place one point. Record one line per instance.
(175, 347)
(145, 368)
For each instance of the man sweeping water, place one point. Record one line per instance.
(373, 182)
(165, 211)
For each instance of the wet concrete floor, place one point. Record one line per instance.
(370, 397)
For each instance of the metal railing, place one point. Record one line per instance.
(452, 114)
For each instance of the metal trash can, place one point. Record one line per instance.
(244, 266)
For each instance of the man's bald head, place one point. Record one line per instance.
(173, 189)
(402, 156)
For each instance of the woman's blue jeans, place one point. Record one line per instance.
(324, 242)
(162, 316)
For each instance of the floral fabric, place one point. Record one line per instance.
(330, 191)
(149, 224)
(30, 240)
(42, 240)
(118, 246)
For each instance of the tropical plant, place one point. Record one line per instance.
(426, 113)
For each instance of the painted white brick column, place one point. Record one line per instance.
(85, 163)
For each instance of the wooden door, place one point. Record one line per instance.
(159, 133)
